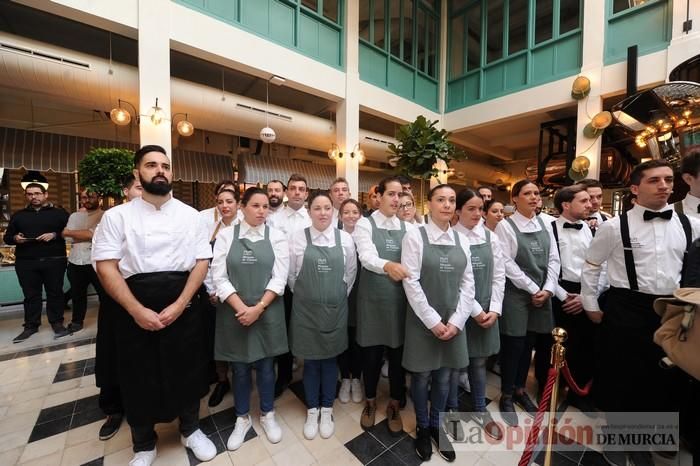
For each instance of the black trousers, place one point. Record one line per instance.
(350, 360)
(110, 400)
(286, 361)
(144, 437)
(372, 359)
(516, 353)
(35, 274)
(80, 277)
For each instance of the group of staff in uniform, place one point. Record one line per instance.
(433, 299)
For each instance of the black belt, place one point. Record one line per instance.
(40, 259)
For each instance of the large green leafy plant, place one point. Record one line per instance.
(103, 170)
(420, 145)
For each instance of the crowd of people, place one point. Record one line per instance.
(188, 297)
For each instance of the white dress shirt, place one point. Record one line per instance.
(412, 259)
(573, 245)
(509, 241)
(690, 206)
(369, 257)
(326, 238)
(288, 220)
(600, 217)
(209, 279)
(336, 216)
(280, 269)
(81, 252)
(145, 239)
(546, 218)
(476, 236)
(657, 245)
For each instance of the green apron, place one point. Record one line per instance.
(318, 326)
(441, 273)
(381, 302)
(249, 266)
(352, 299)
(519, 315)
(482, 342)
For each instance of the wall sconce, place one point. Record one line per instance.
(359, 153)
(579, 168)
(580, 88)
(184, 127)
(598, 123)
(334, 152)
(119, 115)
(157, 114)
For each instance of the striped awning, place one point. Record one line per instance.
(34, 150)
(255, 169)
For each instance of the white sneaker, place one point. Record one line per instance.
(464, 381)
(143, 458)
(385, 369)
(237, 437)
(311, 424)
(327, 425)
(273, 431)
(356, 391)
(203, 448)
(344, 393)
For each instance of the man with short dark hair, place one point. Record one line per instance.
(690, 172)
(275, 192)
(596, 216)
(40, 254)
(645, 253)
(339, 191)
(486, 193)
(405, 184)
(151, 255)
(132, 187)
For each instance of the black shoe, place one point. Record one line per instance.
(452, 425)
(218, 394)
(26, 333)
(524, 401)
(424, 449)
(486, 422)
(75, 327)
(442, 444)
(111, 426)
(59, 331)
(280, 387)
(505, 405)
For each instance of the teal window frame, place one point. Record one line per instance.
(506, 59)
(300, 11)
(662, 8)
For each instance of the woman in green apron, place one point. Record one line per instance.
(527, 300)
(488, 267)
(440, 293)
(250, 269)
(350, 361)
(322, 267)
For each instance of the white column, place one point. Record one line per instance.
(592, 68)
(442, 81)
(348, 114)
(154, 70)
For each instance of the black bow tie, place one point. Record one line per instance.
(575, 226)
(665, 215)
(699, 208)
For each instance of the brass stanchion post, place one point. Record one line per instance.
(557, 362)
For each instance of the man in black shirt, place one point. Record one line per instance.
(40, 259)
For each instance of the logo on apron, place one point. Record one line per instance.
(535, 247)
(477, 263)
(445, 266)
(391, 245)
(322, 265)
(248, 258)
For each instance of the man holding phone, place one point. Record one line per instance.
(40, 258)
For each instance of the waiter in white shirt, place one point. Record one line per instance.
(275, 191)
(339, 191)
(293, 217)
(151, 256)
(381, 301)
(644, 249)
(573, 239)
(596, 216)
(527, 314)
(690, 172)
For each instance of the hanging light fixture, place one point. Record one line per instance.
(267, 134)
(184, 127)
(157, 114)
(119, 115)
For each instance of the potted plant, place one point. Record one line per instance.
(103, 171)
(420, 149)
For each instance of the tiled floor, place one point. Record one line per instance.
(49, 416)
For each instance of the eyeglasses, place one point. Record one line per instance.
(405, 206)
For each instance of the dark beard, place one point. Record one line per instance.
(275, 202)
(157, 189)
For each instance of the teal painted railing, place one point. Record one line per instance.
(401, 53)
(648, 26)
(301, 25)
(484, 66)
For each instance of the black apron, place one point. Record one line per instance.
(160, 372)
(106, 362)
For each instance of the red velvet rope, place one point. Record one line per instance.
(572, 383)
(544, 406)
